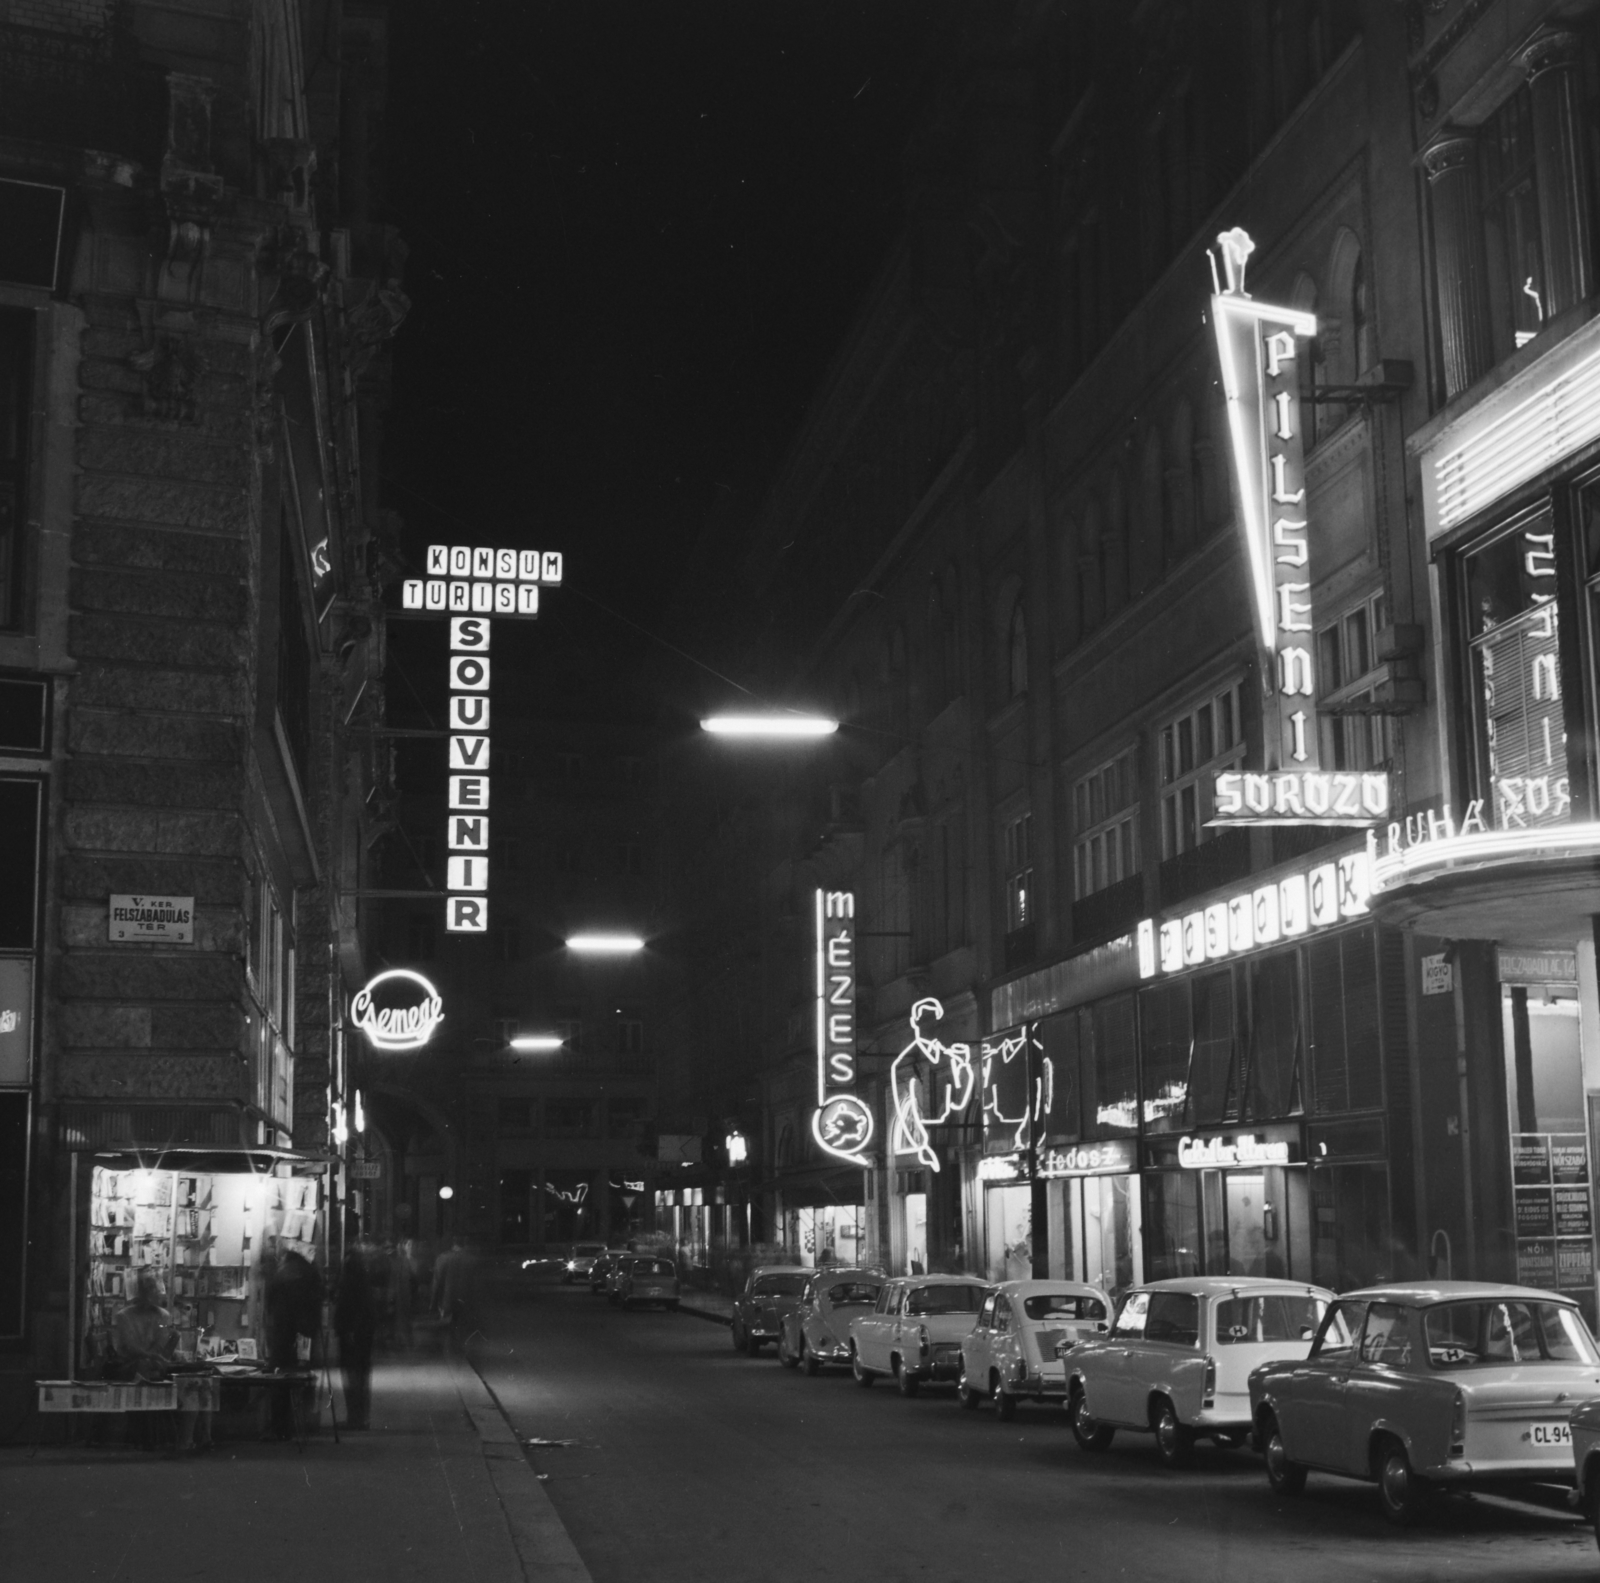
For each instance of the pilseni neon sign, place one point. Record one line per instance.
(469, 585)
(842, 1122)
(1258, 348)
(1331, 893)
(413, 1009)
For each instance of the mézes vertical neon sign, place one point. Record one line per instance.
(842, 1123)
(1259, 349)
(469, 585)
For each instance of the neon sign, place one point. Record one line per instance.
(842, 1122)
(475, 581)
(1258, 348)
(1428, 844)
(1209, 1154)
(932, 1083)
(1283, 909)
(402, 1027)
(1006, 1069)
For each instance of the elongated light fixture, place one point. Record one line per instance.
(770, 725)
(538, 1041)
(605, 944)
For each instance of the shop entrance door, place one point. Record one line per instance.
(916, 1233)
(1243, 1222)
(1245, 1193)
(1106, 1232)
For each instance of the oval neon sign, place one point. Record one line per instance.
(397, 1027)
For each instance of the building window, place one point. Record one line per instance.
(624, 1117)
(1193, 749)
(507, 937)
(515, 1115)
(1105, 817)
(1019, 873)
(1348, 673)
(16, 346)
(421, 940)
(569, 1118)
(1510, 197)
(1017, 653)
(630, 1035)
(569, 1025)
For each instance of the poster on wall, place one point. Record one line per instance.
(1554, 1211)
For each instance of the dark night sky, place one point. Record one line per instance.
(639, 230)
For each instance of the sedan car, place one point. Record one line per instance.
(647, 1278)
(580, 1261)
(817, 1329)
(1017, 1347)
(600, 1270)
(916, 1330)
(1177, 1361)
(1439, 1385)
(768, 1294)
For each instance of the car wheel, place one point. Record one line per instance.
(1174, 1441)
(1285, 1477)
(808, 1359)
(1087, 1430)
(1003, 1402)
(737, 1332)
(1400, 1492)
(1591, 1498)
(965, 1394)
(785, 1356)
(863, 1376)
(905, 1381)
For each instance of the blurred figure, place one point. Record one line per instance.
(450, 1291)
(294, 1309)
(143, 1338)
(355, 1322)
(403, 1287)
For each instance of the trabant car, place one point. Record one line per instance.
(817, 1329)
(915, 1331)
(1012, 1354)
(1177, 1360)
(580, 1261)
(600, 1270)
(1442, 1384)
(647, 1278)
(767, 1295)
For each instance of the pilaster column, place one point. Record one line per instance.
(1551, 63)
(1460, 277)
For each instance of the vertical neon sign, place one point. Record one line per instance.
(842, 1123)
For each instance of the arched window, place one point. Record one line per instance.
(1017, 652)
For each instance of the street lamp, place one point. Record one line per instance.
(538, 1041)
(605, 944)
(776, 725)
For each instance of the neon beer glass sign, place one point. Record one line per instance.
(842, 1123)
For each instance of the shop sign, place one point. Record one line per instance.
(469, 584)
(1519, 965)
(1438, 976)
(1000, 1168)
(842, 1123)
(1113, 1158)
(1427, 843)
(1552, 1211)
(365, 1170)
(1209, 1154)
(16, 1019)
(1318, 898)
(1258, 348)
(412, 1008)
(168, 918)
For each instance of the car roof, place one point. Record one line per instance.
(942, 1280)
(1424, 1292)
(1231, 1285)
(848, 1272)
(780, 1269)
(1049, 1288)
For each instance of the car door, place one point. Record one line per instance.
(1310, 1400)
(976, 1349)
(1107, 1387)
(877, 1330)
(1378, 1381)
(1168, 1360)
(1005, 1341)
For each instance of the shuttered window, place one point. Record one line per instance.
(1346, 1043)
(1213, 1092)
(1273, 1087)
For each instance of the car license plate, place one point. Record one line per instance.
(1551, 1434)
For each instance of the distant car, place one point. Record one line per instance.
(817, 1329)
(647, 1278)
(915, 1331)
(600, 1270)
(768, 1294)
(1177, 1360)
(617, 1267)
(580, 1260)
(1436, 1385)
(1012, 1353)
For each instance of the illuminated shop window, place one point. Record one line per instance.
(1105, 818)
(1348, 668)
(1513, 628)
(1193, 748)
(1019, 873)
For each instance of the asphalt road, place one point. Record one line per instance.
(693, 1462)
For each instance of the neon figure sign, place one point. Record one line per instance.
(397, 1027)
(842, 1123)
(929, 1098)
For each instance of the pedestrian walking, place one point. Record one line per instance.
(294, 1309)
(355, 1323)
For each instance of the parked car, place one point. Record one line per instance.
(817, 1329)
(1586, 1460)
(648, 1278)
(1012, 1353)
(1177, 1360)
(769, 1292)
(580, 1261)
(916, 1329)
(1442, 1384)
(600, 1270)
(617, 1267)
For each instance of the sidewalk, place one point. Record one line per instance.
(705, 1305)
(438, 1489)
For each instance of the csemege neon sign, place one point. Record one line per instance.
(397, 1027)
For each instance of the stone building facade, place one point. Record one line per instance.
(196, 296)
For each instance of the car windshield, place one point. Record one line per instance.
(1276, 1316)
(653, 1267)
(1063, 1305)
(944, 1300)
(853, 1292)
(779, 1285)
(1516, 1330)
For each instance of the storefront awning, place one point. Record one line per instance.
(261, 1161)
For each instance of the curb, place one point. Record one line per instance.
(543, 1545)
(706, 1314)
